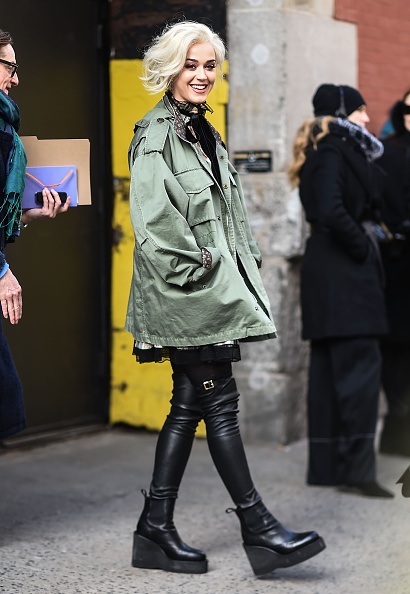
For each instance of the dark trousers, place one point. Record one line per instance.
(12, 414)
(218, 406)
(343, 397)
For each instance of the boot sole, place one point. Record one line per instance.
(148, 555)
(264, 560)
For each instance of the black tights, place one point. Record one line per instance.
(203, 391)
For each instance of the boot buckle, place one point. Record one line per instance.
(208, 385)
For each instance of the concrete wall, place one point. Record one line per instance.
(279, 52)
(318, 49)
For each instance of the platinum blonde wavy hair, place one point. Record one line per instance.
(165, 58)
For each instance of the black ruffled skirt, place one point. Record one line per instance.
(208, 353)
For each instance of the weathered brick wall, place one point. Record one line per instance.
(383, 29)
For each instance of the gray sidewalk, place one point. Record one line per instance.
(68, 510)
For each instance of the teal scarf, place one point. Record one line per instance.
(10, 201)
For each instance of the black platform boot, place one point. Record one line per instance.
(269, 545)
(157, 544)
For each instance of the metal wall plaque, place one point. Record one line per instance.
(253, 161)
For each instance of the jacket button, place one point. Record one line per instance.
(204, 286)
(160, 120)
(225, 186)
(222, 157)
(257, 308)
(218, 217)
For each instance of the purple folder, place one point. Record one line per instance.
(58, 178)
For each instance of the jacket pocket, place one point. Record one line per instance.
(200, 213)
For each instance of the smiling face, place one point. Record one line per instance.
(197, 77)
(359, 116)
(6, 81)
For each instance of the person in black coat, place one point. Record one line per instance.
(395, 346)
(343, 309)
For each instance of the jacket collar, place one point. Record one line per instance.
(178, 121)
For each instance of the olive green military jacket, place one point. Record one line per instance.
(178, 207)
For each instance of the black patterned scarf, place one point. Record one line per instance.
(194, 113)
(369, 144)
(198, 129)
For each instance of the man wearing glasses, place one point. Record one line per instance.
(12, 180)
(11, 73)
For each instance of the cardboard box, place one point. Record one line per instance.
(60, 152)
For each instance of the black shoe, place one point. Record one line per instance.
(405, 481)
(395, 436)
(371, 489)
(157, 544)
(269, 545)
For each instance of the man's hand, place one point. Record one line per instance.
(11, 299)
(51, 207)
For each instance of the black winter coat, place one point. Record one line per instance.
(396, 214)
(341, 276)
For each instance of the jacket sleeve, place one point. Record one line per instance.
(157, 203)
(328, 185)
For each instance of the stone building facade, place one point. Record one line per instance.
(279, 52)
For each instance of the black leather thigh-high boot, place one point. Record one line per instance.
(267, 543)
(157, 544)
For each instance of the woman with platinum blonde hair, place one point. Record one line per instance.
(195, 294)
(164, 60)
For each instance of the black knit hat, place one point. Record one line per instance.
(334, 100)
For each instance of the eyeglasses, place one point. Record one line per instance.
(12, 67)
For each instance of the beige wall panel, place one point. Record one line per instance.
(318, 50)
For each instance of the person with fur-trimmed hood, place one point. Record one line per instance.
(342, 300)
